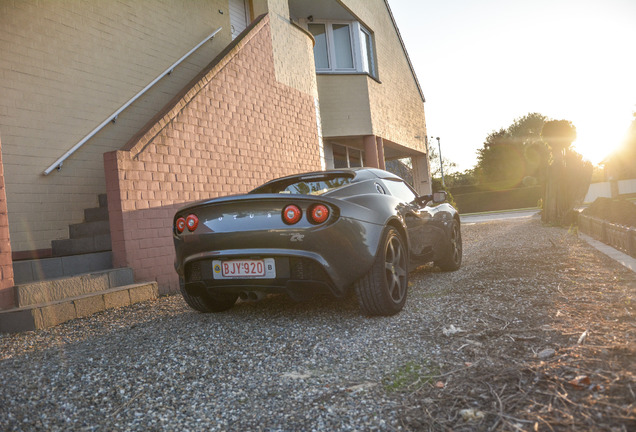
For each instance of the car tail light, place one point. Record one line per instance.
(291, 214)
(181, 224)
(318, 214)
(192, 222)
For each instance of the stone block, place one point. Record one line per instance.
(49, 268)
(120, 277)
(96, 214)
(77, 264)
(102, 243)
(143, 292)
(87, 306)
(22, 272)
(116, 299)
(72, 246)
(7, 296)
(54, 314)
(47, 291)
(92, 283)
(89, 229)
(14, 321)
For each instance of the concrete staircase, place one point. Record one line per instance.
(76, 282)
(90, 236)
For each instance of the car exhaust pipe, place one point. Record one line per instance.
(256, 295)
(252, 296)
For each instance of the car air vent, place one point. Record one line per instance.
(380, 189)
(193, 272)
(306, 269)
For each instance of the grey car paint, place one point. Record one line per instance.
(345, 246)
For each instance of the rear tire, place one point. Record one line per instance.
(207, 302)
(453, 258)
(382, 291)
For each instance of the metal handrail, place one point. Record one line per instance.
(58, 163)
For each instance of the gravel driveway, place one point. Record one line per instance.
(277, 365)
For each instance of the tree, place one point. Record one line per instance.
(464, 178)
(568, 175)
(436, 172)
(510, 155)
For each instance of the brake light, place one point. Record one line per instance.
(318, 214)
(291, 214)
(181, 224)
(192, 222)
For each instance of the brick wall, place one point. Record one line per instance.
(6, 265)
(232, 129)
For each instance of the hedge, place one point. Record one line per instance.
(508, 199)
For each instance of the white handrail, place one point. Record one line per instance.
(58, 163)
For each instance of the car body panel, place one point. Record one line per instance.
(331, 255)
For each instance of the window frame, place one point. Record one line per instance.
(356, 41)
(370, 51)
(348, 155)
(327, 44)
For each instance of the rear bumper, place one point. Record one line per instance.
(334, 257)
(294, 270)
(294, 275)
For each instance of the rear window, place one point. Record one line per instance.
(309, 185)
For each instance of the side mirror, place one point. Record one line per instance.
(439, 197)
(436, 198)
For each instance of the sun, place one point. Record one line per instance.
(598, 138)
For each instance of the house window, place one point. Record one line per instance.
(346, 157)
(342, 47)
(366, 51)
(319, 31)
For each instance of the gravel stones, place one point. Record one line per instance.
(275, 365)
(278, 365)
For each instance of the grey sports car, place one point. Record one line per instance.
(337, 230)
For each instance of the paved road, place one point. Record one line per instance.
(489, 217)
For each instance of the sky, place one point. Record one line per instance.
(484, 63)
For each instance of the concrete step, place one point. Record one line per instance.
(96, 214)
(88, 229)
(43, 315)
(53, 268)
(84, 245)
(103, 200)
(53, 290)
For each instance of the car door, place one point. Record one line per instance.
(416, 217)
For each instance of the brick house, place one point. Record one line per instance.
(268, 88)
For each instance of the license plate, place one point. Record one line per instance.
(245, 269)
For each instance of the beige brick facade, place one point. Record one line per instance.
(344, 105)
(234, 128)
(396, 105)
(385, 105)
(293, 50)
(68, 65)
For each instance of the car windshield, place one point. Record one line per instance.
(307, 185)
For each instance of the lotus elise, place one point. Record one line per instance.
(336, 230)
